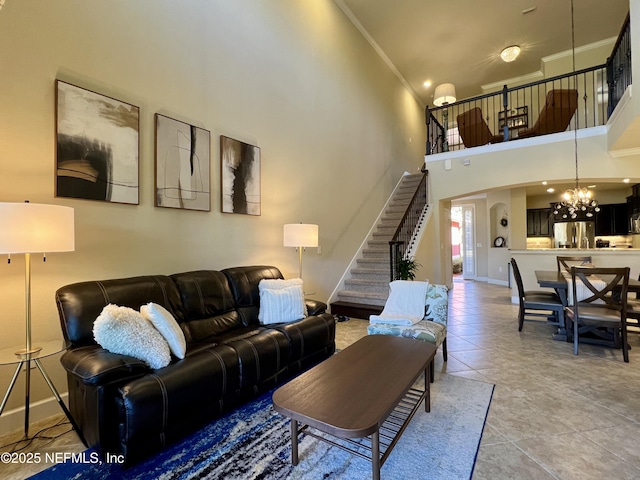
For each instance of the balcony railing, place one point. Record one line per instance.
(576, 100)
(558, 104)
(619, 66)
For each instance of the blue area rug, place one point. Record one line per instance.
(253, 442)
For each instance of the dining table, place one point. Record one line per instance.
(556, 280)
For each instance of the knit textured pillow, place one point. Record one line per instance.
(125, 331)
(164, 322)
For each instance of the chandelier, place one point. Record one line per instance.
(578, 200)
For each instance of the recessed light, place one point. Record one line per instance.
(545, 182)
(551, 190)
(591, 186)
(510, 53)
(427, 84)
(626, 180)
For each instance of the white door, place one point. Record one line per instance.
(468, 242)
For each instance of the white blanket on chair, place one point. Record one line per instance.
(405, 305)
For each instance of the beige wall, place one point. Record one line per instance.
(336, 130)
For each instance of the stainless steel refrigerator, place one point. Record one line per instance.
(574, 235)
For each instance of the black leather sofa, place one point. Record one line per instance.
(122, 406)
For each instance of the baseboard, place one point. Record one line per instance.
(493, 281)
(13, 420)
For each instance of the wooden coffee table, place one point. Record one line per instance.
(364, 391)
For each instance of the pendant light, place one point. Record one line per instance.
(578, 200)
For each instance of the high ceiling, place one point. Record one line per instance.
(459, 41)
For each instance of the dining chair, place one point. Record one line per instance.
(633, 311)
(534, 302)
(565, 263)
(595, 306)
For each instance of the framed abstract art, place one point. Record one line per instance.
(97, 146)
(240, 177)
(183, 165)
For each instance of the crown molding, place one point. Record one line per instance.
(582, 49)
(351, 16)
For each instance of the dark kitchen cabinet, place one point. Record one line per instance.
(612, 220)
(538, 222)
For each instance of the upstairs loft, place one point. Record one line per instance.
(577, 100)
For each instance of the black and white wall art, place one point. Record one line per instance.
(97, 146)
(183, 162)
(240, 177)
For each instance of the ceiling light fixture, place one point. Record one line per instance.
(551, 190)
(509, 54)
(427, 84)
(576, 201)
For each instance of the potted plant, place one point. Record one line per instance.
(407, 268)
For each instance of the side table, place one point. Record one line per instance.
(14, 356)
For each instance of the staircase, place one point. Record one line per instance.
(367, 288)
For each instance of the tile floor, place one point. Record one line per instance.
(553, 415)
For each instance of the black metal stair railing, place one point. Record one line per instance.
(401, 240)
(619, 66)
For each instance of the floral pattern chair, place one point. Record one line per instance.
(432, 329)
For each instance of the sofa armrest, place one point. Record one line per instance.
(315, 307)
(93, 365)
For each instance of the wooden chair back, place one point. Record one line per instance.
(565, 263)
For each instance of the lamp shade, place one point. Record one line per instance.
(36, 228)
(300, 235)
(445, 93)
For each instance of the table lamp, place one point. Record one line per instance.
(300, 235)
(27, 228)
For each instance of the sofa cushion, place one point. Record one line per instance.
(208, 304)
(281, 301)
(243, 282)
(164, 322)
(79, 304)
(425, 330)
(263, 359)
(160, 408)
(124, 330)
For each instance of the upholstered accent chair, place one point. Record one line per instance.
(537, 303)
(473, 130)
(600, 300)
(559, 107)
(432, 328)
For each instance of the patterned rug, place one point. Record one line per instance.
(253, 442)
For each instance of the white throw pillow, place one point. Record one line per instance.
(164, 322)
(406, 298)
(281, 301)
(125, 331)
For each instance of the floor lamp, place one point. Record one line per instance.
(27, 228)
(443, 96)
(300, 235)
